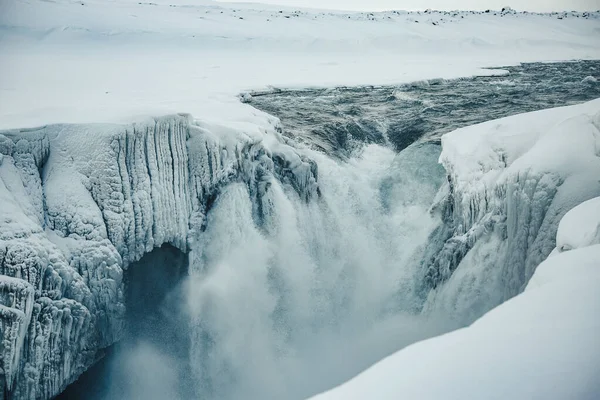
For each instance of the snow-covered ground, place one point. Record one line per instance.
(108, 61)
(543, 343)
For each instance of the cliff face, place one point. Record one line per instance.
(82, 202)
(510, 181)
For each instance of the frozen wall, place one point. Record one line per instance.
(80, 203)
(510, 181)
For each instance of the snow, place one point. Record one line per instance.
(118, 166)
(98, 61)
(579, 227)
(524, 141)
(568, 265)
(543, 343)
(510, 182)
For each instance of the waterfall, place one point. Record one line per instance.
(311, 293)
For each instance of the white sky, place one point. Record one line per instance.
(379, 5)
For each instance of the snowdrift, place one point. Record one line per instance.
(510, 181)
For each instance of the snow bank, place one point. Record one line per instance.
(81, 202)
(510, 181)
(543, 343)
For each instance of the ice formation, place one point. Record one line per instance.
(510, 181)
(80, 203)
(285, 257)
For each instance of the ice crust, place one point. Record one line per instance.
(80, 203)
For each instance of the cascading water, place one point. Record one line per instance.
(303, 297)
(290, 294)
(312, 294)
(288, 297)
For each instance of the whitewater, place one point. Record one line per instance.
(224, 201)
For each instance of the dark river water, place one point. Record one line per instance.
(337, 120)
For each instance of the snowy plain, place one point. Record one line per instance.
(109, 61)
(81, 202)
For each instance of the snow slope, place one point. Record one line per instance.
(108, 61)
(543, 343)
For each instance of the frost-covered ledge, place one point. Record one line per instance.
(79, 203)
(510, 181)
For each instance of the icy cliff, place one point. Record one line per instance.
(542, 344)
(510, 181)
(82, 202)
(521, 189)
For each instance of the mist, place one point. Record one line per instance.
(286, 299)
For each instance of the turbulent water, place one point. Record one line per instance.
(287, 297)
(338, 120)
